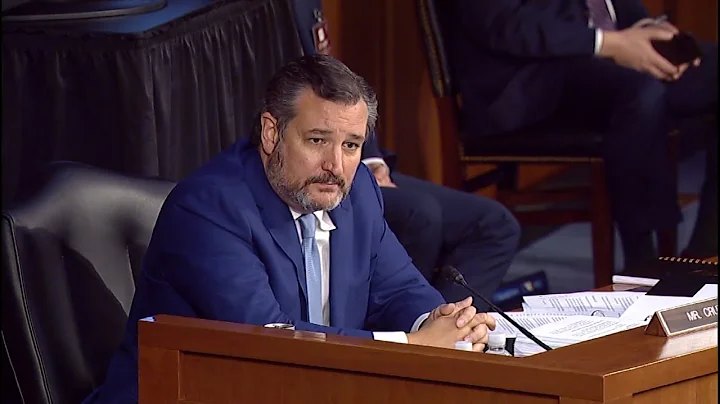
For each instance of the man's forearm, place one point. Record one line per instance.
(609, 44)
(399, 336)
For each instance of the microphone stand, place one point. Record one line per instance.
(456, 277)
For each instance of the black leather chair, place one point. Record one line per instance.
(550, 143)
(70, 253)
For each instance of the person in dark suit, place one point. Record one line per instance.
(440, 226)
(521, 63)
(287, 227)
(437, 225)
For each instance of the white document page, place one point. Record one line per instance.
(634, 280)
(582, 328)
(570, 330)
(708, 291)
(527, 320)
(602, 304)
(644, 308)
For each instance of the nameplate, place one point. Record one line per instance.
(682, 319)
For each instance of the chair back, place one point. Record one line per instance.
(70, 254)
(434, 16)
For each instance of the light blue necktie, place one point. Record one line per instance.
(312, 268)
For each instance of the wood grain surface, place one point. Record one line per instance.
(220, 362)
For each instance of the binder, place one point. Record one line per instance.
(672, 276)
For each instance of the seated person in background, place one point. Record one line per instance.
(287, 227)
(442, 226)
(520, 63)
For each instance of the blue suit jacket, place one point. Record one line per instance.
(225, 247)
(503, 51)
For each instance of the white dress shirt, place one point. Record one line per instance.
(322, 237)
(599, 32)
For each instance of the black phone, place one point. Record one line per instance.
(682, 49)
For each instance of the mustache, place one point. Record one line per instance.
(326, 179)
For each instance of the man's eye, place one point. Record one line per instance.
(316, 140)
(351, 146)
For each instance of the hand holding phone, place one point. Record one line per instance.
(682, 49)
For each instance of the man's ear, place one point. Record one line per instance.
(269, 133)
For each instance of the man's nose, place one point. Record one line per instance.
(334, 160)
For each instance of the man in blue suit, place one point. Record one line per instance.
(437, 225)
(287, 227)
(520, 63)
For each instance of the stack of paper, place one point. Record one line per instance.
(562, 319)
(571, 330)
(528, 320)
(603, 304)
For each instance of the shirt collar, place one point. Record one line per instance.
(326, 223)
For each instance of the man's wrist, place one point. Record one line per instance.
(415, 338)
(608, 44)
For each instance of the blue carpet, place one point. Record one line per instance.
(565, 254)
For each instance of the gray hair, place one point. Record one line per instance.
(328, 78)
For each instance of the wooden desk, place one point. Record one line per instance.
(198, 361)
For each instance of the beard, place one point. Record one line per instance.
(298, 192)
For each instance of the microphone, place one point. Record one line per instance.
(451, 273)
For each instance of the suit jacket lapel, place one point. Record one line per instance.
(341, 240)
(278, 219)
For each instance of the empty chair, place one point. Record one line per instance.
(70, 252)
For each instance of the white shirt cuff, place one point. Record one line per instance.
(374, 160)
(391, 336)
(419, 321)
(399, 336)
(598, 40)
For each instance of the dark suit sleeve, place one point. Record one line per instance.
(399, 293)
(217, 273)
(526, 29)
(370, 148)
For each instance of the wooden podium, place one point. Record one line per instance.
(185, 360)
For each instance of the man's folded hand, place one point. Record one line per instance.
(453, 322)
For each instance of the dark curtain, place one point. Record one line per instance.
(156, 103)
